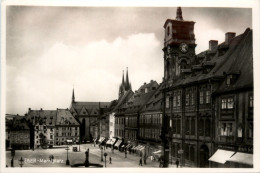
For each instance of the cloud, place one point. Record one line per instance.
(95, 70)
(204, 33)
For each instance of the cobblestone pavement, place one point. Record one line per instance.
(40, 157)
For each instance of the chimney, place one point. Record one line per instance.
(41, 109)
(212, 44)
(151, 81)
(29, 109)
(229, 36)
(145, 83)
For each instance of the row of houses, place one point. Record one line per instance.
(42, 129)
(202, 112)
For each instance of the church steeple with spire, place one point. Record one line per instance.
(73, 96)
(125, 85)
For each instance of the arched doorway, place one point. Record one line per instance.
(204, 156)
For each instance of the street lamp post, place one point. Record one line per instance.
(105, 154)
(21, 162)
(12, 154)
(125, 153)
(101, 154)
(67, 161)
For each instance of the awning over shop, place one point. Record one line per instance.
(118, 143)
(141, 148)
(109, 141)
(244, 158)
(221, 156)
(128, 146)
(157, 152)
(101, 139)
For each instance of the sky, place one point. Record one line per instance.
(50, 50)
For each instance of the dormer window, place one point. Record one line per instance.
(146, 90)
(228, 80)
(168, 30)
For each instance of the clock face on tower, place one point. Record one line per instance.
(184, 47)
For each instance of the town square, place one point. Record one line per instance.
(129, 87)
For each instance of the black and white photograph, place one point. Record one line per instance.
(129, 86)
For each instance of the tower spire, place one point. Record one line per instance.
(123, 79)
(179, 14)
(73, 96)
(127, 86)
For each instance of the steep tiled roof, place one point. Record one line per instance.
(64, 117)
(123, 100)
(92, 107)
(18, 123)
(139, 99)
(237, 56)
(35, 115)
(155, 102)
(240, 62)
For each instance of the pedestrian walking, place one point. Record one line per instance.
(145, 160)
(110, 160)
(141, 162)
(177, 163)
(52, 157)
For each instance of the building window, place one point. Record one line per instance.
(179, 99)
(251, 101)
(174, 101)
(207, 96)
(201, 97)
(167, 102)
(51, 136)
(227, 103)
(192, 98)
(224, 104)
(228, 81)
(168, 30)
(192, 126)
(227, 129)
(187, 126)
(240, 131)
(174, 126)
(230, 103)
(187, 99)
